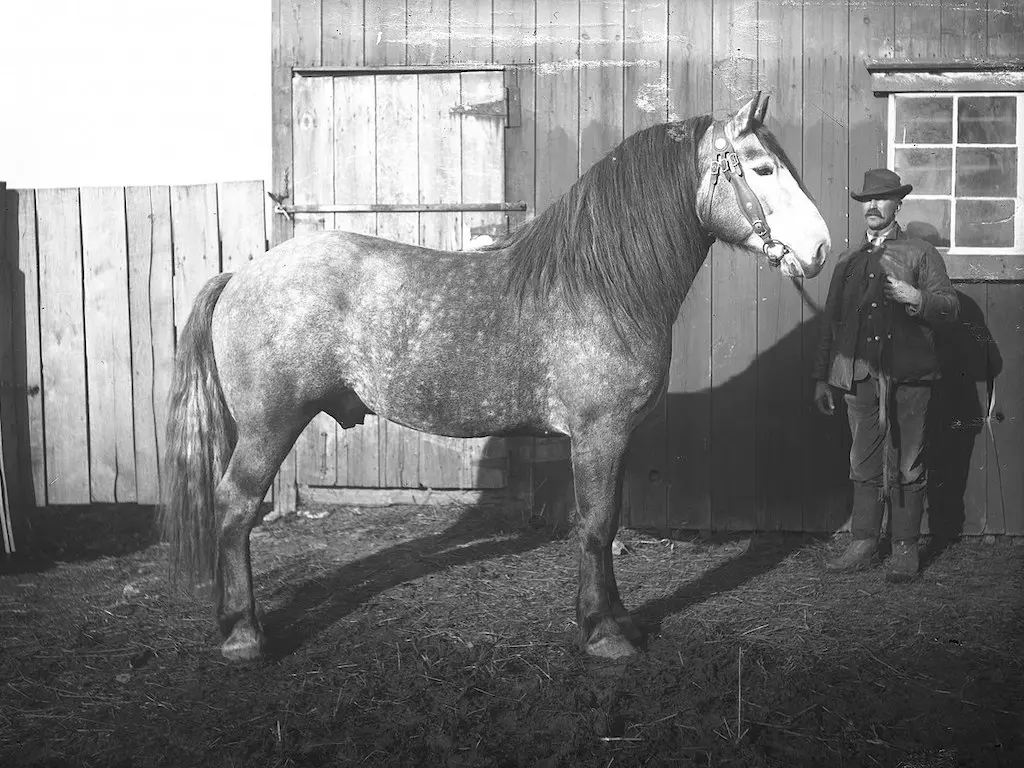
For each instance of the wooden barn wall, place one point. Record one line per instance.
(736, 444)
(95, 283)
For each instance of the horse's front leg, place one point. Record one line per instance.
(605, 626)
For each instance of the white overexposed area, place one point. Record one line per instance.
(126, 92)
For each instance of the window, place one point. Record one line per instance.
(962, 153)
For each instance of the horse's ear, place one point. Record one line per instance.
(762, 108)
(745, 120)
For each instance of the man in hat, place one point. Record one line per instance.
(876, 346)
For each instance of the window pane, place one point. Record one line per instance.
(984, 223)
(927, 219)
(929, 170)
(924, 121)
(986, 172)
(987, 120)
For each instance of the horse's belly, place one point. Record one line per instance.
(461, 399)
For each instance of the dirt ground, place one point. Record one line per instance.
(429, 636)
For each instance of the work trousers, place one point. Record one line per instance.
(906, 436)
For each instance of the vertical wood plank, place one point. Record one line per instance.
(355, 181)
(242, 222)
(398, 182)
(734, 301)
(384, 41)
(558, 91)
(688, 409)
(313, 157)
(196, 245)
(342, 24)
(355, 151)
(22, 256)
(780, 371)
(1005, 318)
(151, 312)
(976, 486)
(645, 102)
(958, 458)
(297, 25)
(108, 345)
(918, 29)
(963, 29)
(429, 32)
(1005, 28)
(601, 79)
(645, 55)
(483, 161)
(440, 181)
(556, 163)
(515, 43)
(471, 28)
(483, 180)
(11, 437)
(297, 28)
(829, 107)
(62, 343)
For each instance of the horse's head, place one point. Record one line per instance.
(751, 197)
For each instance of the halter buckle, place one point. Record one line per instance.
(716, 169)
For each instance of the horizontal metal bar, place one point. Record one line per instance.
(396, 69)
(401, 208)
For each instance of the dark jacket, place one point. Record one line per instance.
(856, 307)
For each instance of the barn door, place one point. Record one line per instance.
(406, 140)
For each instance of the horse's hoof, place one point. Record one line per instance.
(629, 629)
(242, 648)
(611, 647)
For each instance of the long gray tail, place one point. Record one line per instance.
(200, 439)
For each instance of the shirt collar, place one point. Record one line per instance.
(889, 233)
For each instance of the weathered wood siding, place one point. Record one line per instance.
(94, 284)
(736, 443)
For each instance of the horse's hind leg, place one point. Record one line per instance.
(250, 472)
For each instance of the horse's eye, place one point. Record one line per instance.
(764, 170)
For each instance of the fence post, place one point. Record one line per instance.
(6, 376)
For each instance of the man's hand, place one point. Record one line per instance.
(904, 293)
(823, 398)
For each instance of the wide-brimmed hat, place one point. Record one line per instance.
(881, 183)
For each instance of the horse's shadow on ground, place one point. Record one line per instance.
(308, 608)
(762, 555)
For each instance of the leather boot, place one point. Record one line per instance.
(907, 509)
(857, 555)
(903, 564)
(865, 522)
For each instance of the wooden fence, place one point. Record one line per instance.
(94, 283)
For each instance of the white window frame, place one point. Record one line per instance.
(892, 146)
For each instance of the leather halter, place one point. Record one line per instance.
(727, 163)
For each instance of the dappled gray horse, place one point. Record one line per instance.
(563, 327)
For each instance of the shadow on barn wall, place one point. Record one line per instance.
(795, 477)
(971, 363)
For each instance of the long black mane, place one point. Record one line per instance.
(626, 233)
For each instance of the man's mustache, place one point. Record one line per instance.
(873, 212)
